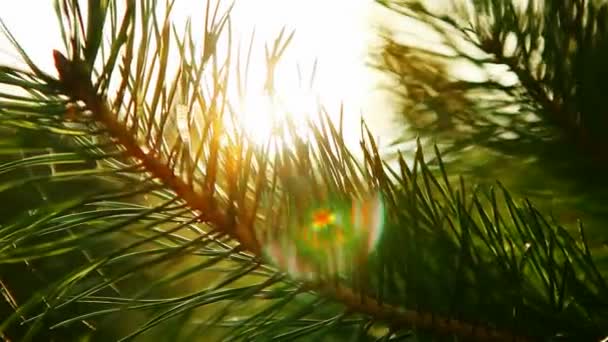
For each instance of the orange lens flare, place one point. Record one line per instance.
(330, 237)
(322, 218)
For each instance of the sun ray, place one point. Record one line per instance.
(323, 64)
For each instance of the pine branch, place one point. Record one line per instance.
(553, 48)
(79, 89)
(214, 198)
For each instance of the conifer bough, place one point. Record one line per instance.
(450, 262)
(75, 80)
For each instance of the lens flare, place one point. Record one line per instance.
(329, 238)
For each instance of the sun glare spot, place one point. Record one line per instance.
(322, 65)
(258, 117)
(266, 117)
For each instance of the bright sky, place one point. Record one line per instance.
(336, 32)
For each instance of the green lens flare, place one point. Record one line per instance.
(329, 238)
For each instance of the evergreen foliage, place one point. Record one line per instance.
(122, 223)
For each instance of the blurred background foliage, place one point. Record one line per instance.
(504, 88)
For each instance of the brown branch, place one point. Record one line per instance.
(77, 85)
(72, 77)
(397, 317)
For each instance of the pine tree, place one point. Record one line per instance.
(135, 206)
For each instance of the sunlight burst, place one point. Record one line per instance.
(322, 65)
